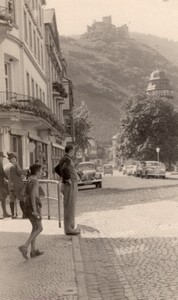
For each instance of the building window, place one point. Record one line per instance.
(30, 34)
(25, 27)
(28, 84)
(36, 90)
(33, 87)
(34, 41)
(40, 19)
(38, 45)
(43, 97)
(40, 94)
(16, 146)
(42, 64)
(7, 79)
(11, 9)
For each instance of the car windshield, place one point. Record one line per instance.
(83, 167)
(108, 166)
(153, 164)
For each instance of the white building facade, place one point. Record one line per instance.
(31, 122)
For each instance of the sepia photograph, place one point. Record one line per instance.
(89, 149)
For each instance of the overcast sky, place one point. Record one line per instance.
(158, 17)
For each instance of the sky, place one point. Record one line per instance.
(158, 17)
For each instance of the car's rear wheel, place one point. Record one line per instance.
(99, 185)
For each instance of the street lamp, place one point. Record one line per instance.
(158, 150)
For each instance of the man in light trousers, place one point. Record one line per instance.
(69, 189)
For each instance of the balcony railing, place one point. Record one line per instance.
(28, 104)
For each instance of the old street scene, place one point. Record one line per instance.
(88, 150)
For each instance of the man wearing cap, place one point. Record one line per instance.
(3, 187)
(15, 183)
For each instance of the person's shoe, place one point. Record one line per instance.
(6, 215)
(1, 218)
(36, 253)
(23, 251)
(75, 232)
(14, 217)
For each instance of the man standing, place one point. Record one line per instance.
(15, 183)
(3, 188)
(69, 188)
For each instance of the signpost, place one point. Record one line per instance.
(158, 150)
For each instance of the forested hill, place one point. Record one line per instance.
(105, 70)
(166, 47)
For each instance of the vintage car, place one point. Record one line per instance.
(88, 174)
(153, 169)
(127, 169)
(108, 169)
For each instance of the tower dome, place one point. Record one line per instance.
(159, 85)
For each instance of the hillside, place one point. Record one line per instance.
(167, 48)
(105, 70)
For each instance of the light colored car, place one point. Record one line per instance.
(108, 169)
(128, 169)
(131, 170)
(88, 174)
(153, 169)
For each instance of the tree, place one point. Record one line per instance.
(82, 126)
(148, 123)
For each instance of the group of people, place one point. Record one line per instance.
(29, 195)
(15, 186)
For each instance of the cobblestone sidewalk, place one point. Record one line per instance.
(130, 247)
(48, 277)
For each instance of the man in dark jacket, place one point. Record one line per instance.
(69, 188)
(3, 187)
(15, 183)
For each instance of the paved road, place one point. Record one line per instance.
(129, 240)
(129, 246)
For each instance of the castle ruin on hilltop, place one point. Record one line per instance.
(106, 26)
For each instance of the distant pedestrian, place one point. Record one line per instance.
(15, 183)
(69, 188)
(3, 187)
(33, 211)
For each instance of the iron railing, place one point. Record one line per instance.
(6, 97)
(50, 194)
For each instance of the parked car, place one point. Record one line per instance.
(108, 169)
(128, 169)
(153, 169)
(88, 174)
(131, 170)
(125, 169)
(99, 169)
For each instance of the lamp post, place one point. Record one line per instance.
(158, 150)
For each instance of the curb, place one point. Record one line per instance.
(80, 274)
